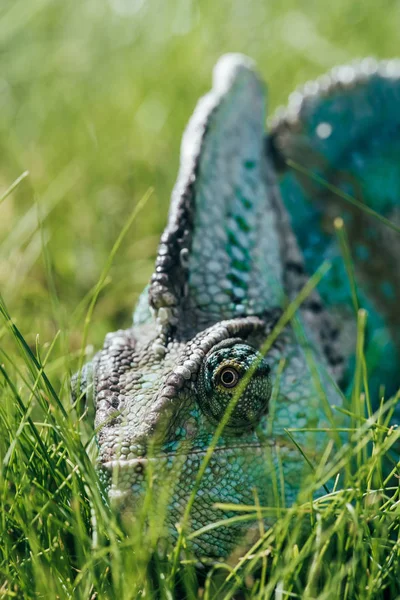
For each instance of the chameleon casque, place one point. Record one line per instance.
(244, 234)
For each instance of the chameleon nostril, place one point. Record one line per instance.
(139, 468)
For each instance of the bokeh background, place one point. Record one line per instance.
(94, 96)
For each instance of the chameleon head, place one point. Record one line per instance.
(157, 418)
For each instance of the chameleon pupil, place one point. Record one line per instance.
(229, 377)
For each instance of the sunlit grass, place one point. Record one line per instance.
(93, 99)
(60, 539)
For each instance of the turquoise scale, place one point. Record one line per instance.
(345, 129)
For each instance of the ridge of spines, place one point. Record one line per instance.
(339, 78)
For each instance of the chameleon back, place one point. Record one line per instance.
(343, 129)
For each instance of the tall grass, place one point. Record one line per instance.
(60, 539)
(94, 96)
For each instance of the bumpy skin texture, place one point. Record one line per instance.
(227, 265)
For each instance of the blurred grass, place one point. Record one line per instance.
(94, 97)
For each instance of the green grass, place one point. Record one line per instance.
(94, 96)
(59, 538)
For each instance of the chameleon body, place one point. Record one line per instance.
(229, 261)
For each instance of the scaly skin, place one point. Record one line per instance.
(227, 265)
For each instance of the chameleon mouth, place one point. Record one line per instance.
(128, 475)
(139, 463)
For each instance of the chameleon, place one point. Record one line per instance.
(246, 230)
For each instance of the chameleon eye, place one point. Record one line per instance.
(221, 371)
(229, 377)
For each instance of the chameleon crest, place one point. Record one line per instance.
(228, 264)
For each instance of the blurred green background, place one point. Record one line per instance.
(94, 96)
